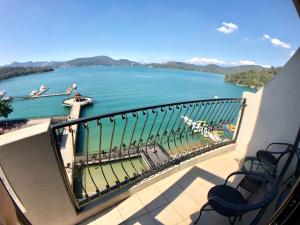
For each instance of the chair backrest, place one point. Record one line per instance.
(262, 197)
(265, 193)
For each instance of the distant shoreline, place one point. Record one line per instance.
(12, 72)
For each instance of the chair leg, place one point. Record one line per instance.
(231, 222)
(202, 209)
(240, 217)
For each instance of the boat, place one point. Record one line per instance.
(2, 93)
(42, 89)
(6, 98)
(33, 93)
(74, 86)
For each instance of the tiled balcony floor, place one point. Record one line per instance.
(176, 199)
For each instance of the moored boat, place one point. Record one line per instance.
(2, 93)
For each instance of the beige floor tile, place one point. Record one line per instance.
(166, 216)
(207, 218)
(194, 184)
(142, 220)
(184, 222)
(90, 221)
(171, 192)
(131, 208)
(109, 217)
(199, 195)
(152, 199)
(185, 205)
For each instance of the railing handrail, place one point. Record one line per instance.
(97, 117)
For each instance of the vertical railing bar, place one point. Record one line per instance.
(142, 132)
(190, 117)
(178, 127)
(112, 119)
(171, 132)
(214, 117)
(237, 105)
(87, 158)
(194, 121)
(208, 120)
(143, 129)
(167, 123)
(84, 189)
(100, 152)
(211, 125)
(217, 121)
(74, 150)
(204, 117)
(197, 123)
(239, 120)
(229, 111)
(157, 133)
(204, 120)
(156, 113)
(123, 116)
(135, 123)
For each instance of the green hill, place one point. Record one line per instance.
(10, 72)
(253, 78)
(212, 68)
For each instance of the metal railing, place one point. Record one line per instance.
(103, 153)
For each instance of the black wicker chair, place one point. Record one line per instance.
(269, 159)
(229, 202)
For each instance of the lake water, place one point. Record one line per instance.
(115, 88)
(119, 88)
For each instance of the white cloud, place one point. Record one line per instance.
(203, 61)
(276, 41)
(227, 28)
(266, 66)
(292, 53)
(206, 61)
(246, 62)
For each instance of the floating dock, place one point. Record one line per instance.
(41, 95)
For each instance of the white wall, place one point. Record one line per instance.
(273, 113)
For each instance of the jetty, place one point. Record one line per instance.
(69, 135)
(40, 94)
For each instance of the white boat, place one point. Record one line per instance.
(42, 89)
(6, 98)
(74, 86)
(2, 93)
(33, 92)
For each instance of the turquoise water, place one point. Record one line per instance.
(115, 88)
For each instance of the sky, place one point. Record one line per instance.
(232, 32)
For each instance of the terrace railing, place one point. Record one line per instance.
(107, 152)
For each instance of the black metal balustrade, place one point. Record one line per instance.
(115, 150)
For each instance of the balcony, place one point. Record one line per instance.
(153, 165)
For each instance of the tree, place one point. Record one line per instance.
(5, 108)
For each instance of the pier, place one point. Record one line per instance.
(41, 95)
(69, 135)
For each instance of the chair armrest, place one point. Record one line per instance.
(280, 143)
(230, 208)
(244, 173)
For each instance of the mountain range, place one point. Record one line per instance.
(107, 61)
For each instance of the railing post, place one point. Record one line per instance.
(239, 120)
